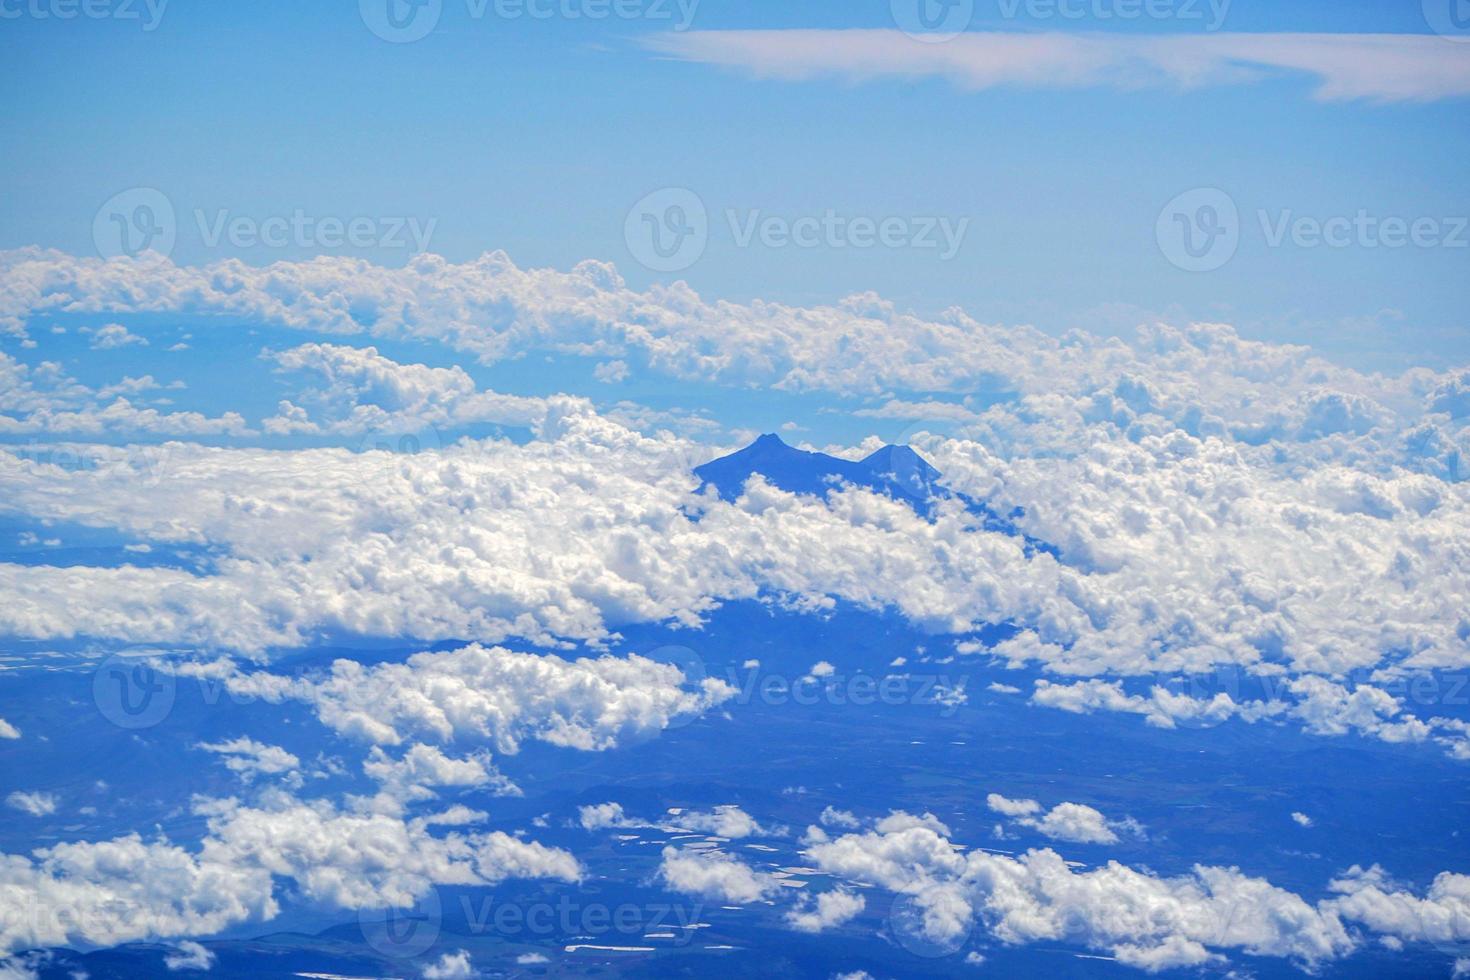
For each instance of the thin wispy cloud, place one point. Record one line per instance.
(1373, 67)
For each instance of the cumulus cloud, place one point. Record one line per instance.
(1074, 822)
(37, 804)
(7, 730)
(1012, 808)
(250, 758)
(602, 816)
(109, 892)
(1114, 453)
(833, 817)
(189, 955)
(114, 335)
(43, 399)
(1143, 920)
(491, 695)
(412, 777)
(827, 911)
(714, 875)
(1441, 915)
(728, 820)
(363, 391)
(450, 966)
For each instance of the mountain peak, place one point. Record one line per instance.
(897, 471)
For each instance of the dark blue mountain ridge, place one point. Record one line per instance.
(894, 471)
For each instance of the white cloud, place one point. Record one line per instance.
(7, 730)
(1301, 819)
(1255, 453)
(829, 910)
(114, 335)
(611, 372)
(37, 804)
(363, 391)
(189, 956)
(1012, 808)
(1141, 919)
(123, 890)
(602, 816)
(899, 820)
(1441, 915)
(250, 758)
(723, 821)
(531, 959)
(492, 695)
(44, 400)
(411, 778)
(1376, 67)
(833, 817)
(451, 966)
(714, 875)
(109, 892)
(1073, 822)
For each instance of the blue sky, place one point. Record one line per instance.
(537, 135)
